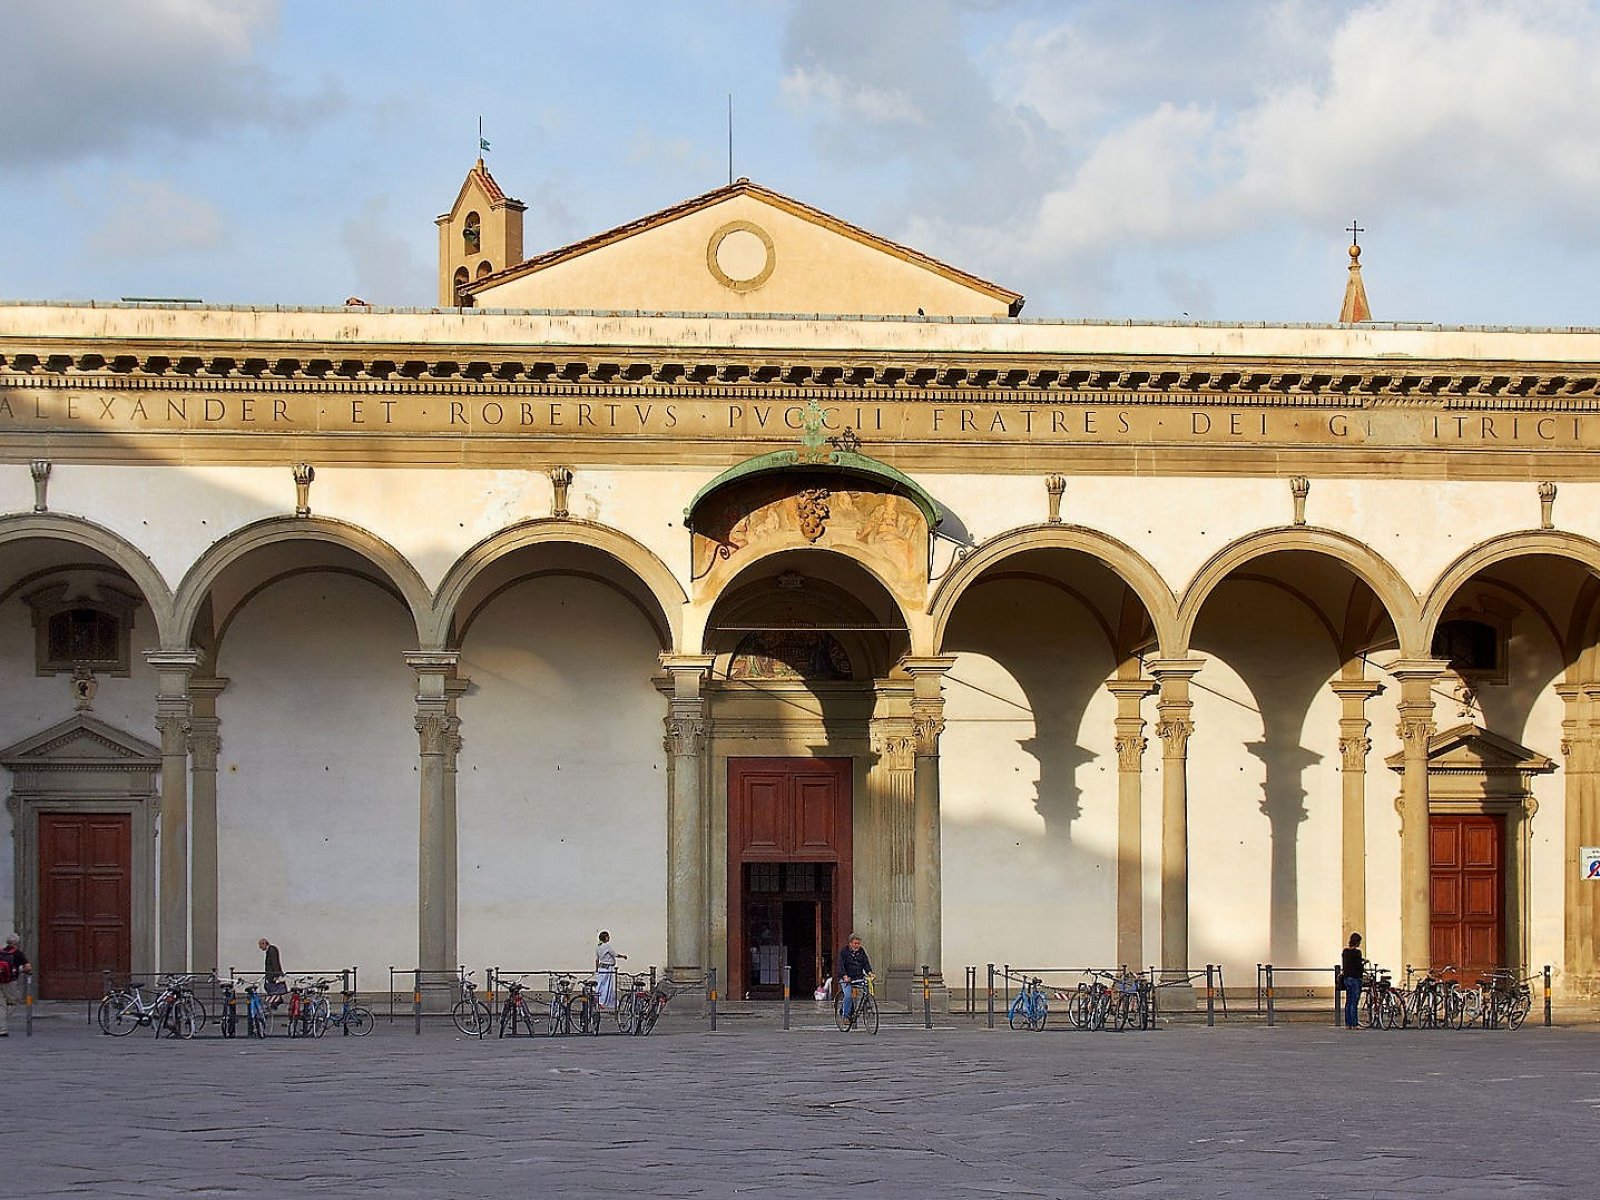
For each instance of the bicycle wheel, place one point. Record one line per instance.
(1017, 1015)
(1390, 1011)
(358, 1021)
(508, 1020)
(1471, 1008)
(125, 1016)
(1100, 1010)
(471, 1017)
(867, 1018)
(1518, 1009)
(201, 1015)
(839, 1018)
(110, 1005)
(1038, 1012)
(1078, 1007)
(652, 1013)
(1121, 1012)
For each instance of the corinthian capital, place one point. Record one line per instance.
(685, 735)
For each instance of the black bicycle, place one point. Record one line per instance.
(515, 1015)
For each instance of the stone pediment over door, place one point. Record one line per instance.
(1468, 763)
(85, 756)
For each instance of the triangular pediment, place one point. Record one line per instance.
(1471, 748)
(743, 248)
(79, 741)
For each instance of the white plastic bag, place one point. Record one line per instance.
(824, 992)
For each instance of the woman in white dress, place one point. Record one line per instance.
(605, 971)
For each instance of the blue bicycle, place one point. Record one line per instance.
(1031, 1008)
(258, 1016)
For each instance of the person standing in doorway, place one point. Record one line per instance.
(13, 966)
(854, 968)
(1352, 967)
(605, 971)
(272, 981)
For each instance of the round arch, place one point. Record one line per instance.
(1126, 563)
(394, 566)
(1556, 543)
(1392, 591)
(637, 558)
(114, 546)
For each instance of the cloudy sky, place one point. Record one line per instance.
(1108, 159)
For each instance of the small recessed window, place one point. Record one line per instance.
(1468, 646)
(89, 629)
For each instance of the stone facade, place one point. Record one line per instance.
(1117, 625)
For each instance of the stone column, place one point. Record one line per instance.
(1578, 752)
(1131, 744)
(688, 867)
(173, 668)
(1354, 746)
(439, 741)
(205, 743)
(927, 723)
(1173, 727)
(894, 791)
(1416, 678)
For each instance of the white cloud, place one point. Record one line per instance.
(85, 77)
(151, 219)
(1085, 135)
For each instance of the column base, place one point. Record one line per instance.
(909, 988)
(1176, 997)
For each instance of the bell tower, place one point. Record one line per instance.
(481, 233)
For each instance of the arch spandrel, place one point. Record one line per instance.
(133, 561)
(1553, 543)
(1124, 562)
(639, 561)
(233, 548)
(1387, 584)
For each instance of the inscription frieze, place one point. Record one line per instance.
(31, 406)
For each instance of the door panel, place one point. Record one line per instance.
(85, 902)
(1466, 886)
(785, 811)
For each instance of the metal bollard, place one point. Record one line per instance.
(27, 1002)
(1271, 1011)
(1005, 979)
(711, 995)
(927, 999)
(991, 995)
(786, 979)
(416, 1004)
(1211, 995)
(972, 991)
(1547, 1020)
(1338, 989)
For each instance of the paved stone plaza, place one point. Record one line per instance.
(1299, 1110)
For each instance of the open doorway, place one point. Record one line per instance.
(788, 918)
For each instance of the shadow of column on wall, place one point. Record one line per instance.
(1283, 803)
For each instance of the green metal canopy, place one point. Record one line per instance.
(836, 462)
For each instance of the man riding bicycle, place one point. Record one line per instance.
(854, 970)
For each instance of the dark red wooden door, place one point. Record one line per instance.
(1466, 875)
(85, 902)
(786, 810)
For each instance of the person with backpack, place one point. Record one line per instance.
(13, 966)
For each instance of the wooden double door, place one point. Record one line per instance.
(1466, 891)
(85, 902)
(789, 871)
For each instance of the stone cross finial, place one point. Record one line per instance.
(1547, 505)
(1055, 486)
(560, 481)
(1299, 488)
(304, 473)
(40, 469)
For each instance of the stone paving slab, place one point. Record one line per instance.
(1241, 1111)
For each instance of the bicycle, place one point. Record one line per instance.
(471, 1015)
(174, 1010)
(1130, 1001)
(1091, 1004)
(122, 1010)
(1031, 1008)
(353, 1020)
(1385, 1003)
(855, 1006)
(258, 1013)
(228, 1022)
(662, 992)
(515, 1013)
(632, 1006)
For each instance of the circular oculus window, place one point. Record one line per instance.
(740, 256)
